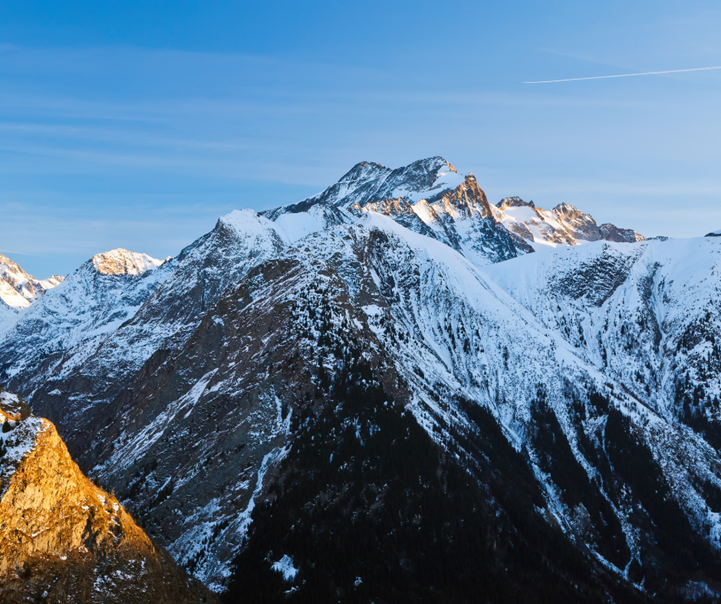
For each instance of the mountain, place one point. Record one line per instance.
(391, 364)
(97, 331)
(563, 225)
(19, 290)
(71, 321)
(646, 315)
(65, 540)
(427, 196)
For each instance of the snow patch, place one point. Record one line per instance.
(292, 227)
(285, 567)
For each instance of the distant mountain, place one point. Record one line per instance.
(427, 196)
(431, 198)
(563, 225)
(65, 540)
(389, 364)
(19, 290)
(123, 262)
(75, 318)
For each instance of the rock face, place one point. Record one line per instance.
(65, 540)
(563, 225)
(123, 262)
(386, 364)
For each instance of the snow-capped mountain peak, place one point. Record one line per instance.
(564, 225)
(362, 172)
(124, 262)
(430, 197)
(514, 202)
(369, 182)
(18, 289)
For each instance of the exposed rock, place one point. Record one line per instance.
(514, 202)
(460, 217)
(563, 225)
(610, 232)
(123, 262)
(63, 539)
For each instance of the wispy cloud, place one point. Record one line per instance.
(625, 75)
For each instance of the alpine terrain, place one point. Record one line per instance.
(397, 391)
(65, 540)
(19, 290)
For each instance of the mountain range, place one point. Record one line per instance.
(396, 391)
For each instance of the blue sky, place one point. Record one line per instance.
(136, 124)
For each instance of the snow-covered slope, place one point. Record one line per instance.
(79, 347)
(60, 331)
(646, 314)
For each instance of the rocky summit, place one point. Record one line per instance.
(392, 391)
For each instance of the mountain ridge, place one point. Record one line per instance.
(197, 403)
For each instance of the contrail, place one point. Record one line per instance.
(21, 253)
(625, 75)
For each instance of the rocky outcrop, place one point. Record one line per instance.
(460, 217)
(514, 202)
(63, 539)
(610, 232)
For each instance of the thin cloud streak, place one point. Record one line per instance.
(625, 75)
(21, 253)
